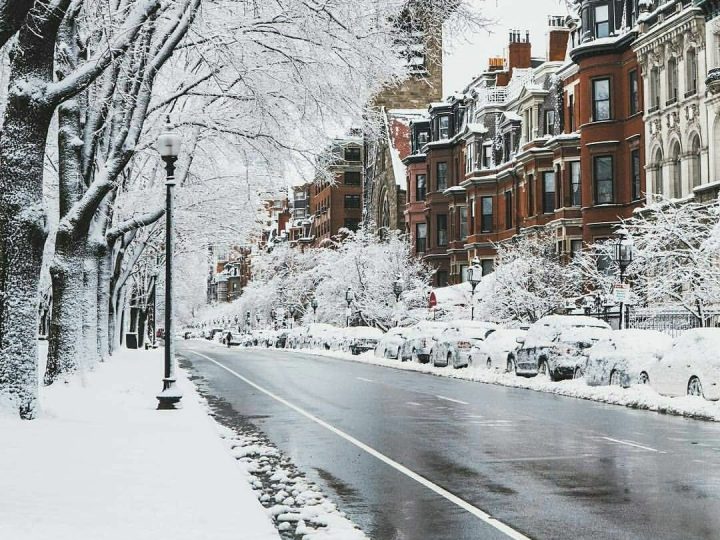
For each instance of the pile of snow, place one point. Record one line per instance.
(296, 505)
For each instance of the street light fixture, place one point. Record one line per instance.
(349, 296)
(168, 146)
(623, 254)
(624, 249)
(314, 306)
(475, 276)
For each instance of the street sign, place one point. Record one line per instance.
(432, 301)
(621, 292)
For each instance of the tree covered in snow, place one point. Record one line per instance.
(677, 251)
(531, 280)
(286, 280)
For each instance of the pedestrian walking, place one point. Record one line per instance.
(228, 338)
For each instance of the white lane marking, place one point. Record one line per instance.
(453, 400)
(635, 445)
(364, 379)
(483, 516)
(414, 404)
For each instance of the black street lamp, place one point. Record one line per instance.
(247, 322)
(475, 276)
(623, 251)
(168, 146)
(623, 254)
(314, 306)
(349, 296)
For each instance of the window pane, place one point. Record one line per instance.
(548, 192)
(575, 183)
(441, 176)
(604, 180)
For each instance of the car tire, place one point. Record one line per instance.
(414, 357)
(644, 378)
(694, 387)
(578, 373)
(488, 363)
(398, 356)
(511, 367)
(615, 378)
(543, 369)
(450, 361)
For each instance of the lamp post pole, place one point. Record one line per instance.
(169, 145)
(348, 299)
(475, 277)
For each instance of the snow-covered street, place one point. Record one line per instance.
(404, 453)
(102, 462)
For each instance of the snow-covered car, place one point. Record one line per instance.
(691, 367)
(357, 339)
(319, 336)
(625, 357)
(453, 346)
(390, 345)
(211, 333)
(296, 337)
(556, 346)
(495, 350)
(420, 340)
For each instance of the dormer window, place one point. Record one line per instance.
(444, 127)
(602, 21)
(422, 139)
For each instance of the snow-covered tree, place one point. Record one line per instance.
(677, 256)
(531, 280)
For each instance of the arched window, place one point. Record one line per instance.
(691, 71)
(695, 168)
(658, 164)
(676, 171)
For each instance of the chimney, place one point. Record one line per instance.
(519, 51)
(559, 35)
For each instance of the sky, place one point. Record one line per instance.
(467, 56)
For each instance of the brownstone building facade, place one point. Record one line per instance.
(556, 142)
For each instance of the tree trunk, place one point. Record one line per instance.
(22, 238)
(65, 339)
(104, 323)
(90, 308)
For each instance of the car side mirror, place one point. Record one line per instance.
(520, 340)
(585, 345)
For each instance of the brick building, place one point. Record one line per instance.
(337, 204)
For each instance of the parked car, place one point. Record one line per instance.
(212, 333)
(453, 346)
(356, 339)
(391, 344)
(296, 337)
(495, 350)
(626, 357)
(556, 346)
(691, 367)
(320, 336)
(420, 340)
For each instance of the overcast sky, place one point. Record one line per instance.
(468, 57)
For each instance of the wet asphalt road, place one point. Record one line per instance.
(550, 467)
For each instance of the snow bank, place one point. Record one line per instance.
(636, 397)
(101, 462)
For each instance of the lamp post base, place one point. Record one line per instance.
(170, 396)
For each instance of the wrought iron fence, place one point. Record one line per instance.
(672, 323)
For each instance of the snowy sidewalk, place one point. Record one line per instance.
(102, 463)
